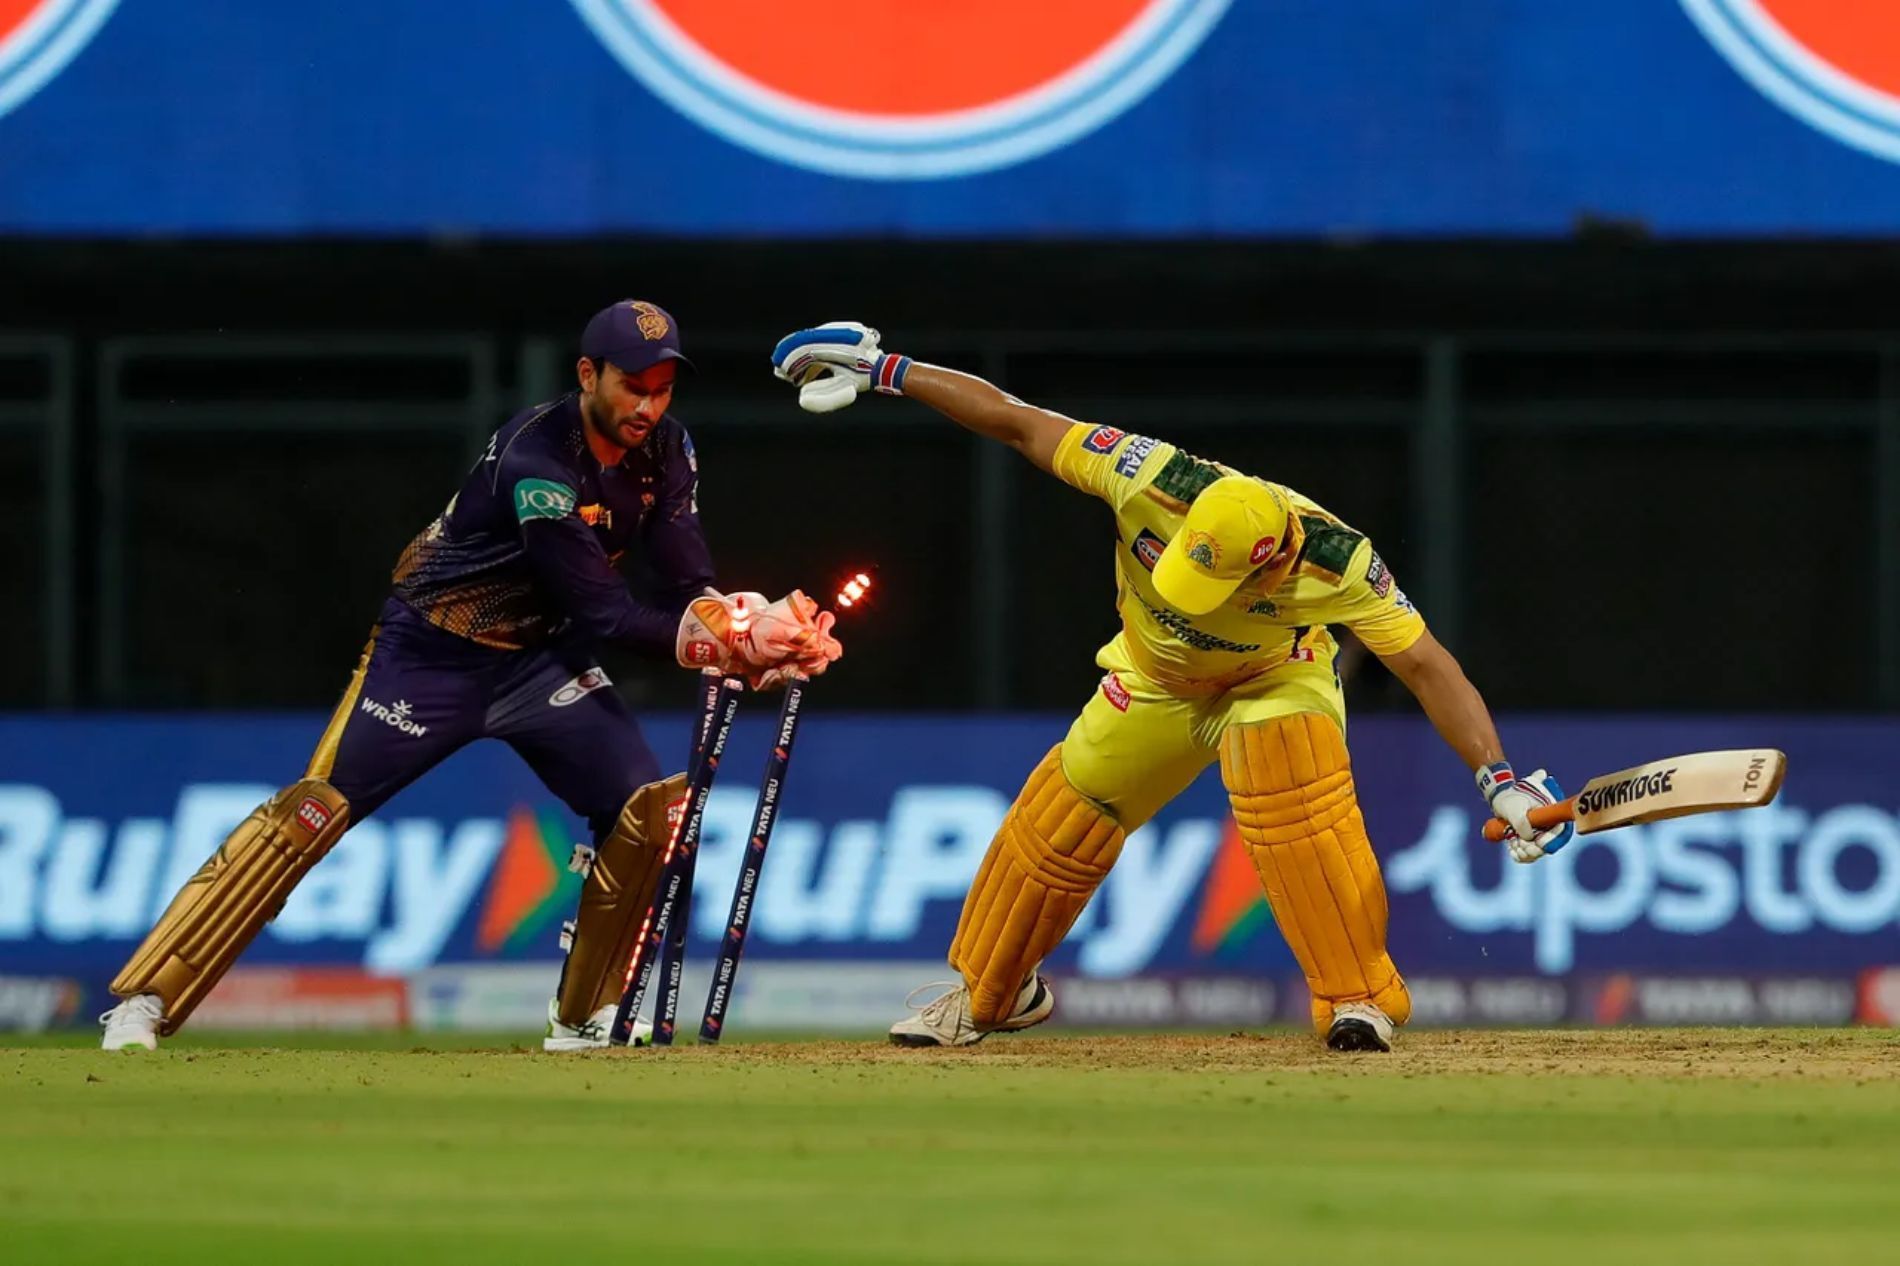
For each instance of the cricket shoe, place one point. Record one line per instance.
(133, 1023)
(1359, 1026)
(591, 1034)
(946, 1020)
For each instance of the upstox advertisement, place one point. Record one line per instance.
(883, 821)
(1154, 118)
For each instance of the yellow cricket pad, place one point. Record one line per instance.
(1290, 782)
(1049, 855)
(236, 892)
(615, 898)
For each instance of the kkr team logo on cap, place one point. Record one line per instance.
(902, 91)
(652, 321)
(38, 38)
(1834, 65)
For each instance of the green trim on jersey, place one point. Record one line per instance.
(1329, 545)
(1185, 477)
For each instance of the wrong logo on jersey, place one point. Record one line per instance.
(902, 91)
(38, 38)
(1835, 66)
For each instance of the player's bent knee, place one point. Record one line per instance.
(1047, 858)
(1290, 782)
(240, 888)
(615, 897)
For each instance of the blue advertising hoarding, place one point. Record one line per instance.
(883, 822)
(1115, 117)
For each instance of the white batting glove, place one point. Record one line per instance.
(1512, 798)
(833, 364)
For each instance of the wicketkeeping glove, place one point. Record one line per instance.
(1512, 798)
(742, 633)
(833, 364)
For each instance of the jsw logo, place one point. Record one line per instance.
(1776, 867)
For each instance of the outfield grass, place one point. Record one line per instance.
(1608, 1148)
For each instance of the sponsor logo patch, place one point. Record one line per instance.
(602, 517)
(1147, 548)
(395, 716)
(1128, 465)
(1103, 439)
(1379, 576)
(1262, 550)
(312, 814)
(588, 682)
(1116, 693)
(543, 499)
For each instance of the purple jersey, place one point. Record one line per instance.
(527, 548)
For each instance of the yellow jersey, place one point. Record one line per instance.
(1324, 572)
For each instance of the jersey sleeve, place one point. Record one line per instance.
(1371, 604)
(675, 542)
(1107, 462)
(569, 563)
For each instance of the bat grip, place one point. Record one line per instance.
(1543, 817)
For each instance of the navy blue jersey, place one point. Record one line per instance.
(526, 550)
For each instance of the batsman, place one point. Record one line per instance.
(493, 630)
(1226, 586)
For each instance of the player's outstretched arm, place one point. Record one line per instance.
(1459, 714)
(835, 363)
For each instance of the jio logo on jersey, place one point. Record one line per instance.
(903, 89)
(38, 38)
(1835, 65)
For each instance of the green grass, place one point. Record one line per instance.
(1610, 1148)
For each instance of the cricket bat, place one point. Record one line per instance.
(1700, 782)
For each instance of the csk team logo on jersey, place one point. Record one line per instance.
(38, 38)
(902, 91)
(1834, 65)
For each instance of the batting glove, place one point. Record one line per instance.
(1512, 798)
(833, 364)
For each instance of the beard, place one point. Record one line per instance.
(612, 429)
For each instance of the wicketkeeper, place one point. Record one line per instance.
(1227, 584)
(491, 632)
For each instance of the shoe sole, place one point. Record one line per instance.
(1355, 1035)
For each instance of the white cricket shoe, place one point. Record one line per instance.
(592, 1034)
(946, 1021)
(1359, 1026)
(133, 1023)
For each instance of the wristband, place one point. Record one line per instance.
(1495, 778)
(888, 374)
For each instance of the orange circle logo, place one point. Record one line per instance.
(1834, 65)
(900, 90)
(38, 38)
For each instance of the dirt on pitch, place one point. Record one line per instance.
(1749, 1054)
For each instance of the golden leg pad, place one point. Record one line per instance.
(236, 892)
(615, 898)
(1290, 782)
(1047, 859)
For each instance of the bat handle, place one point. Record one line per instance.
(1542, 817)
